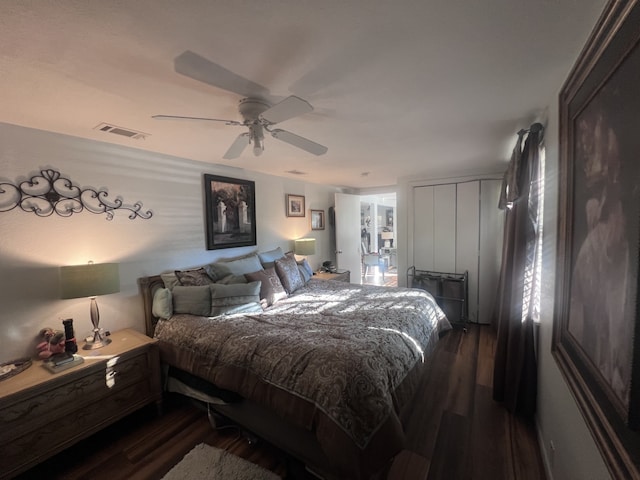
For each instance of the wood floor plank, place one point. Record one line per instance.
(490, 447)
(462, 378)
(527, 459)
(486, 352)
(409, 466)
(449, 460)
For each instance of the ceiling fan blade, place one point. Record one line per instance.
(199, 68)
(298, 141)
(236, 148)
(290, 107)
(177, 117)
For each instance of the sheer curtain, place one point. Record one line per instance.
(515, 368)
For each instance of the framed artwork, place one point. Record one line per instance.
(317, 219)
(231, 212)
(295, 206)
(596, 338)
(389, 217)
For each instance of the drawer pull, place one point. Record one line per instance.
(111, 378)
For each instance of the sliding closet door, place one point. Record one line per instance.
(423, 231)
(444, 219)
(467, 239)
(458, 228)
(434, 233)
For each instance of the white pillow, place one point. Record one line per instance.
(162, 306)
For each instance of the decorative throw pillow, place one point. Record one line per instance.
(193, 278)
(193, 300)
(305, 270)
(304, 274)
(268, 258)
(217, 271)
(225, 298)
(169, 279)
(162, 306)
(243, 265)
(271, 289)
(287, 269)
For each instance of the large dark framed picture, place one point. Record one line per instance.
(596, 338)
(231, 212)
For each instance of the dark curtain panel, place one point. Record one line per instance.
(515, 369)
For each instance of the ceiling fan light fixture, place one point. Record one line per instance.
(258, 148)
(257, 138)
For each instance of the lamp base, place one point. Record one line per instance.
(93, 344)
(98, 340)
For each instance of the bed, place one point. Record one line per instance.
(323, 372)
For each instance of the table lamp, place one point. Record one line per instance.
(90, 280)
(387, 237)
(305, 247)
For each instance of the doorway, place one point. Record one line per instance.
(378, 238)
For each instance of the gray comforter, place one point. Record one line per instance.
(342, 348)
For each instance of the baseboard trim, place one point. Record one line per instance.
(543, 451)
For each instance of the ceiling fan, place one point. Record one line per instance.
(259, 113)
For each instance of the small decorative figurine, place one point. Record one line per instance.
(53, 342)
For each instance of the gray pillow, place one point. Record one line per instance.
(304, 264)
(303, 272)
(243, 265)
(193, 300)
(267, 259)
(252, 307)
(225, 298)
(229, 279)
(162, 306)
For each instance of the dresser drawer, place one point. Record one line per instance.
(28, 448)
(43, 413)
(27, 413)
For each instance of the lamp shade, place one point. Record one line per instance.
(89, 280)
(305, 246)
(386, 235)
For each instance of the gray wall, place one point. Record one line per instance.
(32, 248)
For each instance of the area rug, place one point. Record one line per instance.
(207, 462)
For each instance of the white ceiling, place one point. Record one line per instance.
(400, 88)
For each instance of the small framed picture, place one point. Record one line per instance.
(317, 219)
(295, 206)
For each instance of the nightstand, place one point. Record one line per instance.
(340, 276)
(42, 413)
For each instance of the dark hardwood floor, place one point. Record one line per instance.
(455, 431)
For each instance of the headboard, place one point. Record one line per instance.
(148, 287)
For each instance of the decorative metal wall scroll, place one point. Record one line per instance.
(50, 193)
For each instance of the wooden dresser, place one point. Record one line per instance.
(42, 413)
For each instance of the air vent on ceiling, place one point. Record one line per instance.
(296, 172)
(125, 132)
